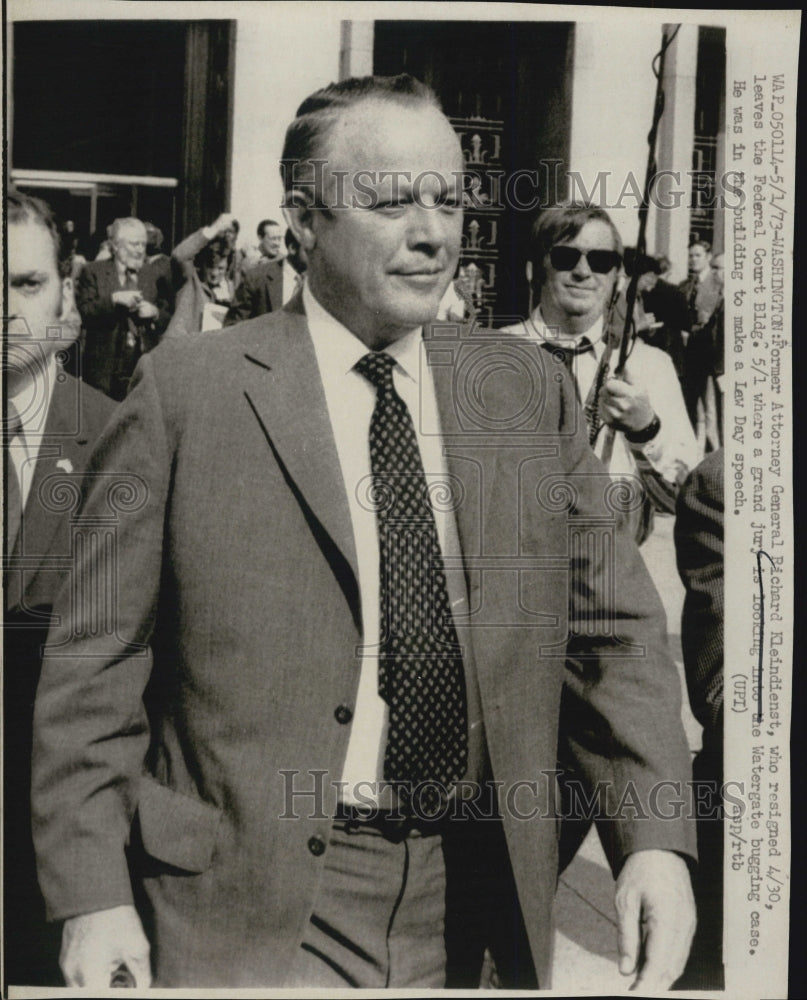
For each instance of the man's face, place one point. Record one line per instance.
(717, 266)
(382, 269)
(214, 274)
(698, 259)
(38, 301)
(580, 293)
(129, 246)
(271, 242)
(647, 281)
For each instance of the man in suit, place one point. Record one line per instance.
(260, 292)
(270, 239)
(125, 307)
(51, 423)
(662, 303)
(703, 290)
(344, 599)
(699, 553)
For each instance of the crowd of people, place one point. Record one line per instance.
(236, 757)
(133, 295)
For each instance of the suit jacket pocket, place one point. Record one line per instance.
(176, 828)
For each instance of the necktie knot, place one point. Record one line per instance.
(570, 350)
(377, 367)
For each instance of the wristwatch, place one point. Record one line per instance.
(646, 433)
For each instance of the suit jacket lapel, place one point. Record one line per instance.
(469, 457)
(285, 392)
(63, 451)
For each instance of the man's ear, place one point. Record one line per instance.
(69, 316)
(68, 303)
(528, 272)
(299, 215)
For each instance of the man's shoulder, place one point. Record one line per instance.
(706, 478)
(95, 269)
(214, 347)
(77, 409)
(263, 270)
(96, 405)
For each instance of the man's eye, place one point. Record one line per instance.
(29, 285)
(390, 205)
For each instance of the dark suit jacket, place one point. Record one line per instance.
(214, 696)
(707, 295)
(109, 353)
(669, 305)
(699, 551)
(260, 291)
(32, 574)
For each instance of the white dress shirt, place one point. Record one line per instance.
(32, 403)
(350, 399)
(673, 452)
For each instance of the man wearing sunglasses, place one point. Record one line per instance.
(637, 423)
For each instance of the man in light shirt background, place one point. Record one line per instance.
(640, 426)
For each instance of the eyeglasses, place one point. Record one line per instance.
(566, 258)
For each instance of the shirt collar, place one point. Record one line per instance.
(340, 350)
(32, 401)
(537, 327)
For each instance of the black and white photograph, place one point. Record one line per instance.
(398, 498)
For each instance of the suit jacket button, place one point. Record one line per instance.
(317, 846)
(343, 715)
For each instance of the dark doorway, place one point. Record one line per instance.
(141, 99)
(507, 88)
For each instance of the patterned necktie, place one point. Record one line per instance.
(12, 428)
(421, 675)
(566, 354)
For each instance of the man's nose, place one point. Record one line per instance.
(428, 227)
(581, 268)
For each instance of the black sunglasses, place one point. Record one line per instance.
(565, 258)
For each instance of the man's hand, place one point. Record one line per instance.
(95, 944)
(624, 404)
(147, 310)
(656, 912)
(223, 222)
(129, 298)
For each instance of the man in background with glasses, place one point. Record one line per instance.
(638, 422)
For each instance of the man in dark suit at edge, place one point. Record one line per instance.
(51, 423)
(287, 709)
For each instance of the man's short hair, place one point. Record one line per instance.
(22, 208)
(154, 238)
(318, 113)
(701, 243)
(216, 250)
(123, 223)
(263, 224)
(563, 222)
